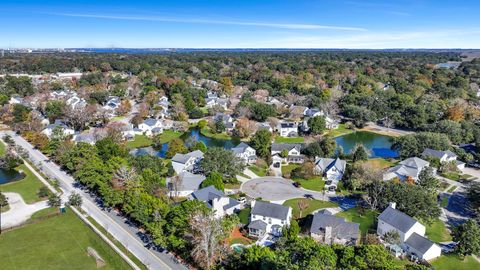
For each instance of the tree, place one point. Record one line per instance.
(414, 144)
(291, 232)
(10, 160)
(218, 126)
(467, 236)
(261, 142)
(175, 146)
(473, 196)
(261, 111)
(199, 146)
(54, 109)
(54, 200)
(245, 127)
(316, 124)
(325, 147)
(392, 237)
(302, 205)
(75, 199)
(43, 192)
(205, 235)
(222, 161)
(3, 200)
(360, 153)
(213, 179)
(428, 181)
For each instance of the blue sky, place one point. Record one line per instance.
(241, 24)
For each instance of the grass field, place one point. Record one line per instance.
(448, 262)
(258, 170)
(456, 176)
(312, 206)
(452, 189)
(279, 139)
(208, 133)
(27, 187)
(169, 135)
(366, 221)
(437, 232)
(341, 130)
(139, 141)
(316, 184)
(244, 215)
(286, 169)
(59, 242)
(378, 163)
(2, 148)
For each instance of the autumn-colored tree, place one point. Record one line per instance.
(302, 205)
(456, 113)
(124, 107)
(245, 128)
(410, 180)
(227, 84)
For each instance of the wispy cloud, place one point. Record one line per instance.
(221, 22)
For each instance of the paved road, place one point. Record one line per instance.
(278, 189)
(115, 225)
(19, 211)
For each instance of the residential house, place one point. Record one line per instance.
(217, 201)
(227, 120)
(184, 184)
(151, 127)
(411, 233)
(443, 156)
(163, 103)
(128, 132)
(330, 168)
(331, 123)
(58, 124)
(187, 162)
(245, 152)
(292, 150)
(288, 129)
(329, 229)
(312, 112)
(408, 168)
(76, 102)
(268, 218)
(297, 112)
(264, 126)
(275, 102)
(213, 100)
(85, 138)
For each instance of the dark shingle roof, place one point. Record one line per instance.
(342, 229)
(272, 210)
(258, 225)
(397, 219)
(287, 146)
(419, 243)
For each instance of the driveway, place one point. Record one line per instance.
(19, 211)
(473, 172)
(278, 189)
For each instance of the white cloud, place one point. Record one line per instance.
(205, 21)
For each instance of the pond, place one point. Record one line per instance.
(379, 145)
(7, 176)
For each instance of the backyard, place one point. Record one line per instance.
(437, 232)
(378, 163)
(311, 206)
(279, 139)
(58, 242)
(207, 132)
(260, 171)
(365, 219)
(139, 141)
(244, 215)
(168, 135)
(452, 261)
(27, 187)
(341, 130)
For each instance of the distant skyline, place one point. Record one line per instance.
(353, 24)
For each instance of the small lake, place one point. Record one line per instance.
(9, 176)
(379, 145)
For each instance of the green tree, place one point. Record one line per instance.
(213, 179)
(467, 236)
(360, 153)
(54, 109)
(261, 111)
(261, 142)
(3, 200)
(317, 124)
(54, 200)
(428, 181)
(175, 146)
(75, 199)
(43, 192)
(222, 161)
(219, 126)
(200, 146)
(414, 144)
(325, 147)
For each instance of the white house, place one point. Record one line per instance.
(408, 168)
(331, 169)
(288, 129)
(331, 123)
(268, 218)
(217, 201)
(227, 120)
(184, 184)
(312, 112)
(264, 126)
(85, 138)
(186, 162)
(151, 126)
(112, 103)
(213, 100)
(329, 229)
(76, 102)
(58, 124)
(443, 156)
(292, 150)
(411, 233)
(245, 152)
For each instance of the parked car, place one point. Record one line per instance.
(276, 165)
(242, 200)
(296, 184)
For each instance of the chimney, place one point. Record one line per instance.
(392, 205)
(328, 235)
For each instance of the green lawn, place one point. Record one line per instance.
(244, 175)
(316, 184)
(168, 135)
(452, 261)
(118, 118)
(240, 240)
(456, 176)
(312, 206)
(244, 215)
(366, 221)
(59, 242)
(444, 202)
(279, 139)
(437, 232)
(341, 130)
(289, 168)
(258, 170)
(2, 148)
(27, 187)
(139, 141)
(207, 132)
(378, 163)
(452, 189)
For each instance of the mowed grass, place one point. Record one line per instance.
(378, 163)
(341, 130)
(438, 232)
(139, 141)
(286, 169)
(316, 184)
(58, 242)
(366, 220)
(312, 205)
(244, 215)
(207, 132)
(2, 148)
(452, 261)
(169, 135)
(279, 139)
(27, 187)
(258, 170)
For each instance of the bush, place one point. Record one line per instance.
(43, 192)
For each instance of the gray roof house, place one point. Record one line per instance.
(184, 184)
(293, 149)
(186, 162)
(268, 218)
(330, 229)
(408, 168)
(216, 200)
(331, 169)
(443, 156)
(245, 152)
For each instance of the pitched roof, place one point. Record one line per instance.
(287, 146)
(419, 243)
(183, 158)
(414, 162)
(327, 163)
(428, 152)
(397, 219)
(189, 181)
(150, 122)
(341, 228)
(242, 147)
(258, 225)
(288, 125)
(272, 210)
